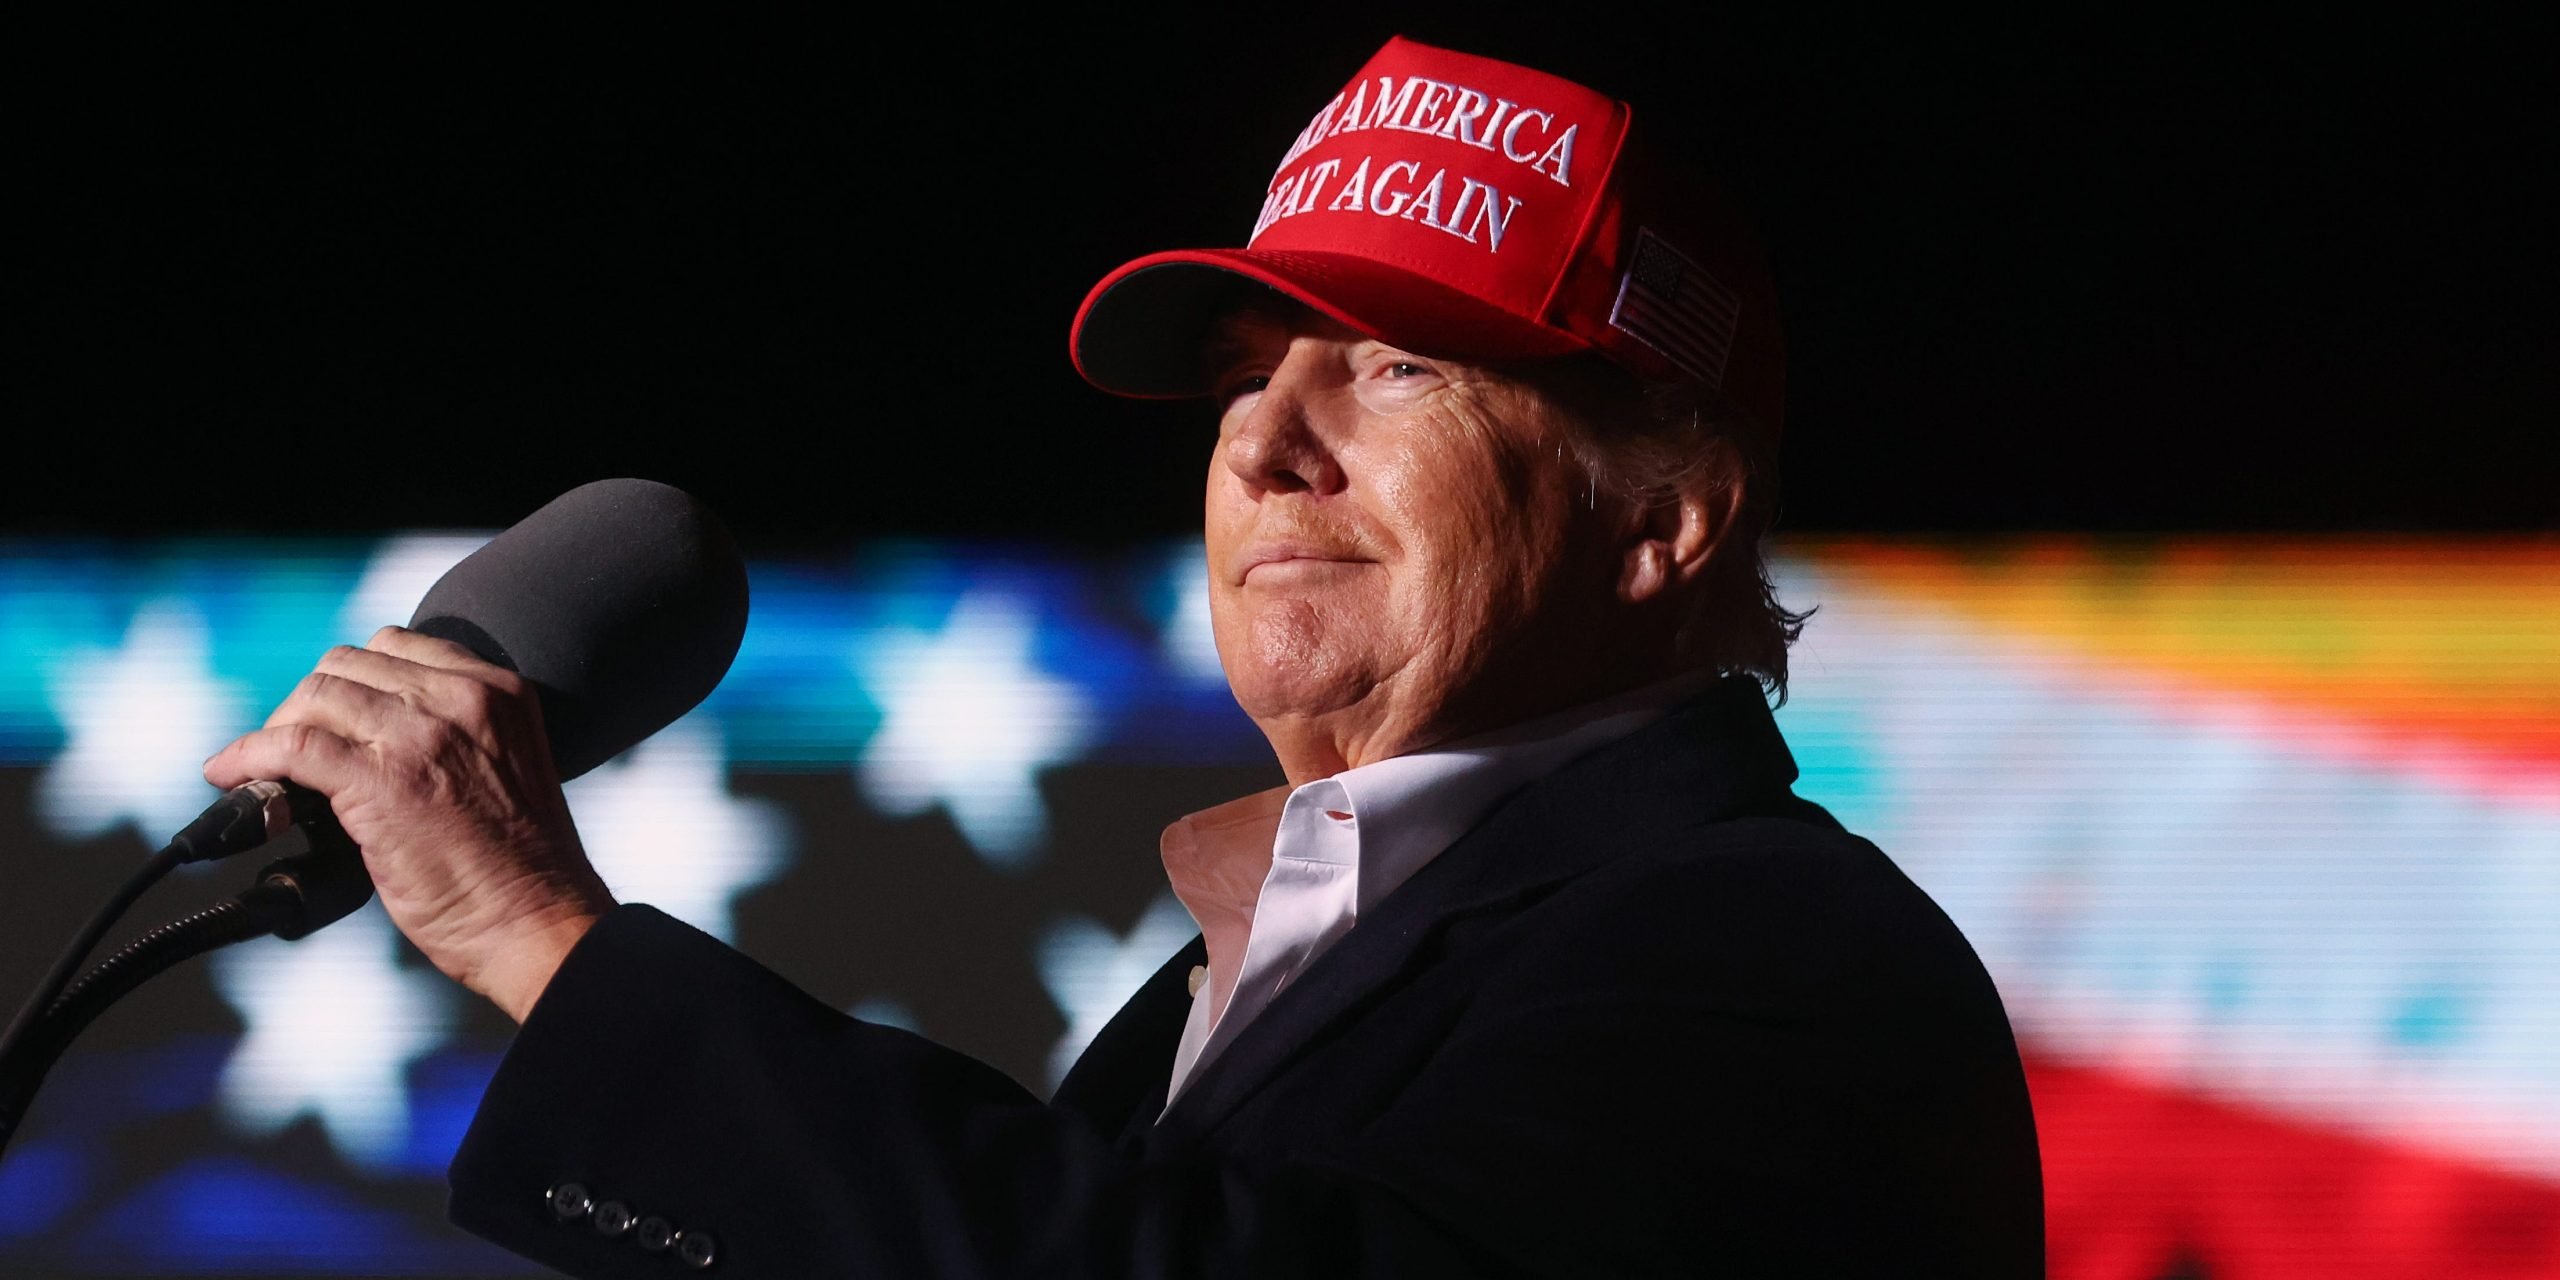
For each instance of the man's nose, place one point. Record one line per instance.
(1277, 449)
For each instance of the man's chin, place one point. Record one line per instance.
(1296, 694)
(1267, 700)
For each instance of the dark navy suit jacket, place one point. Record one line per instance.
(1654, 1016)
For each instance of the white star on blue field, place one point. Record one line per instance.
(332, 1024)
(969, 722)
(662, 828)
(140, 719)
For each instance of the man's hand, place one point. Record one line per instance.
(436, 764)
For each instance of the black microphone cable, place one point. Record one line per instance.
(293, 897)
(244, 818)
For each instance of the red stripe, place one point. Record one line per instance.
(1676, 315)
(1674, 336)
(2141, 1181)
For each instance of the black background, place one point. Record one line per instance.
(290, 272)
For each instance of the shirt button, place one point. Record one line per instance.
(697, 1248)
(612, 1218)
(569, 1201)
(1199, 974)
(654, 1233)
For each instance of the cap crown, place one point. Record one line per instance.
(1456, 205)
(1479, 174)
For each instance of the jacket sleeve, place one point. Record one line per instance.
(1561, 1130)
(671, 1102)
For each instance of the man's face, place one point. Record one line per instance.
(1400, 548)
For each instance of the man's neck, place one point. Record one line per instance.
(1384, 725)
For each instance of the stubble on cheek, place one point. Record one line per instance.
(1500, 609)
(1475, 562)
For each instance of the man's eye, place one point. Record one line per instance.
(1405, 369)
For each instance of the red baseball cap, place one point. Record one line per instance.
(1459, 206)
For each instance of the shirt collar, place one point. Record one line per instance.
(1407, 808)
(1410, 807)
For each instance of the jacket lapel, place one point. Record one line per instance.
(1714, 756)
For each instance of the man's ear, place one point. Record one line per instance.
(1669, 545)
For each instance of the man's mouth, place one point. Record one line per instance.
(1265, 561)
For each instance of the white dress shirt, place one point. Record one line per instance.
(1343, 843)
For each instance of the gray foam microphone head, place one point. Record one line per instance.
(622, 601)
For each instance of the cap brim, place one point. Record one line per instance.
(1143, 329)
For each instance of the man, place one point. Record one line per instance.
(1536, 966)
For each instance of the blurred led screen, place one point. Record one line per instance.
(2260, 838)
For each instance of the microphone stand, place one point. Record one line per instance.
(293, 897)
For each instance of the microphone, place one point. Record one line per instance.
(622, 602)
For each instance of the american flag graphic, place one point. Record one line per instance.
(1672, 305)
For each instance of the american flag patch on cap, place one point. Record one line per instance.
(1670, 303)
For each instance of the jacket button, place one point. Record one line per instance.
(569, 1201)
(654, 1233)
(612, 1218)
(697, 1248)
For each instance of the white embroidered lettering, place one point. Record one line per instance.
(1426, 106)
(1511, 134)
(1426, 203)
(1311, 187)
(1561, 155)
(1492, 222)
(1349, 119)
(1479, 214)
(1501, 108)
(1347, 200)
(1379, 195)
(1272, 203)
(1470, 108)
(1385, 111)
